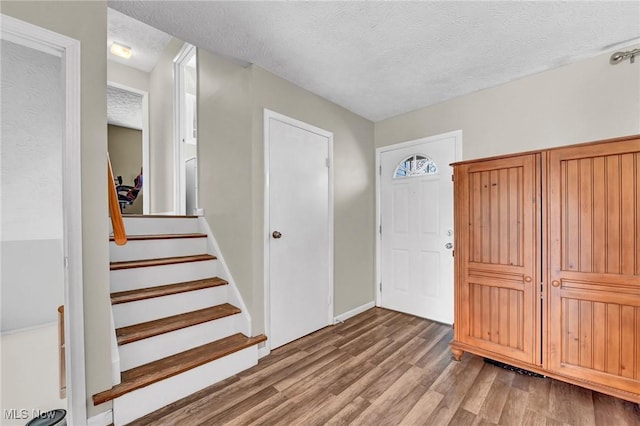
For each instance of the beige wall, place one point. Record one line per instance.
(354, 196)
(585, 101)
(161, 133)
(125, 152)
(231, 173)
(87, 22)
(127, 76)
(225, 162)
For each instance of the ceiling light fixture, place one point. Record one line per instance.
(120, 50)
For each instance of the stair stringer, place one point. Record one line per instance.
(235, 298)
(115, 353)
(138, 403)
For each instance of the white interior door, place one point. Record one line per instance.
(299, 226)
(416, 234)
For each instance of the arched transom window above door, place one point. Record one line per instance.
(415, 165)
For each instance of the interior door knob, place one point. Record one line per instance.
(448, 246)
(276, 234)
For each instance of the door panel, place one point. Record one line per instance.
(299, 260)
(417, 224)
(496, 257)
(594, 291)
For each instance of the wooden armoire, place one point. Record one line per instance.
(547, 263)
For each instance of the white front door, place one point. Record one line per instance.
(416, 233)
(299, 229)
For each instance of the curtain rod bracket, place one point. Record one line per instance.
(620, 56)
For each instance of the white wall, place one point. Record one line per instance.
(32, 100)
(31, 189)
(584, 101)
(30, 378)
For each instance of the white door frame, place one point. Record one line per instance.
(179, 124)
(268, 115)
(146, 199)
(457, 134)
(68, 49)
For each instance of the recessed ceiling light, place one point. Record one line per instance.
(120, 50)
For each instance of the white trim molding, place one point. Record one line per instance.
(353, 312)
(457, 135)
(68, 50)
(102, 419)
(179, 125)
(268, 115)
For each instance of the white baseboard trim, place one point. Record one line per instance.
(263, 351)
(102, 419)
(353, 312)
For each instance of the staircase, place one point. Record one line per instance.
(180, 325)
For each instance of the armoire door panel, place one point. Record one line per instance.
(496, 209)
(593, 214)
(598, 340)
(497, 274)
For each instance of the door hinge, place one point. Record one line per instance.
(380, 286)
(452, 180)
(541, 291)
(380, 169)
(66, 262)
(327, 162)
(380, 229)
(453, 253)
(329, 301)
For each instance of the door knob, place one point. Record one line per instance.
(276, 234)
(448, 246)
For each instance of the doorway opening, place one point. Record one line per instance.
(128, 141)
(186, 129)
(42, 185)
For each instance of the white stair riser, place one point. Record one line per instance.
(136, 278)
(125, 314)
(157, 347)
(153, 249)
(148, 399)
(152, 226)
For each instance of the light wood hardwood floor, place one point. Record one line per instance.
(387, 368)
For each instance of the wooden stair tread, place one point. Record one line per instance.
(164, 290)
(160, 237)
(170, 366)
(133, 333)
(115, 266)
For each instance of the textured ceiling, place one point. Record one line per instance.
(124, 108)
(146, 42)
(380, 59)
